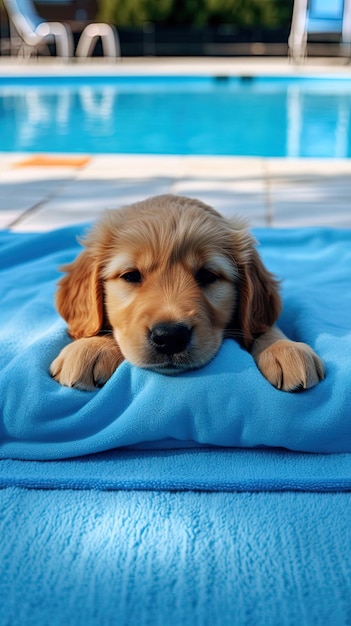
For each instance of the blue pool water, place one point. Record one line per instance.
(244, 116)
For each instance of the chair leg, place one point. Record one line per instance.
(346, 30)
(64, 41)
(62, 36)
(109, 38)
(110, 42)
(298, 36)
(86, 44)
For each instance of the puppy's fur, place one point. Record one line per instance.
(161, 283)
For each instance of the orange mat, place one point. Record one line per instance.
(39, 160)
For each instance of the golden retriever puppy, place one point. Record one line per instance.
(161, 283)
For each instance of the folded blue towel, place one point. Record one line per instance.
(197, 469)
(226, 403)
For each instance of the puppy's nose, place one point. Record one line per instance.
(170, 338)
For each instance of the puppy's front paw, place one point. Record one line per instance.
(291, 365)
(87, 363)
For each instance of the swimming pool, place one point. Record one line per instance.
(243, 116)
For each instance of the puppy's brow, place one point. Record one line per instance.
(222, 265)
(119, 263)
(200, 255)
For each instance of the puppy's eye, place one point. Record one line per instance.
(133, 276)
(205, 277)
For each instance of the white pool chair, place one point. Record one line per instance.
(109, 38)
(29, 32)
(319, 17)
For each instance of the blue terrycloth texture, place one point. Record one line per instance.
(152, 558)
(226, 403)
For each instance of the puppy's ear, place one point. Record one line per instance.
(259, 303)
(79, 298)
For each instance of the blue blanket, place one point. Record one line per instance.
(172, 522)
(226, 403)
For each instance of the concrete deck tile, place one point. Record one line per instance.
(15, 173)
(85, 201)
(106, 193)
(316, 202)
(308, 218)
(227, 197)
(317, 188)
(7, 218)
(45, 220)
(245, 169)
(132, 166)
(305, 168)
(22, 191)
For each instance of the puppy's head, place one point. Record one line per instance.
(170, 278)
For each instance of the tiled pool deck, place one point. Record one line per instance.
(37, 196)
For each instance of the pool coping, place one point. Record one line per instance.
(229, 66)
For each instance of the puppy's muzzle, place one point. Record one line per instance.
(170, 338)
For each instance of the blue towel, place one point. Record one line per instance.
(150, 558)
(197, 469)
(227, 403)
